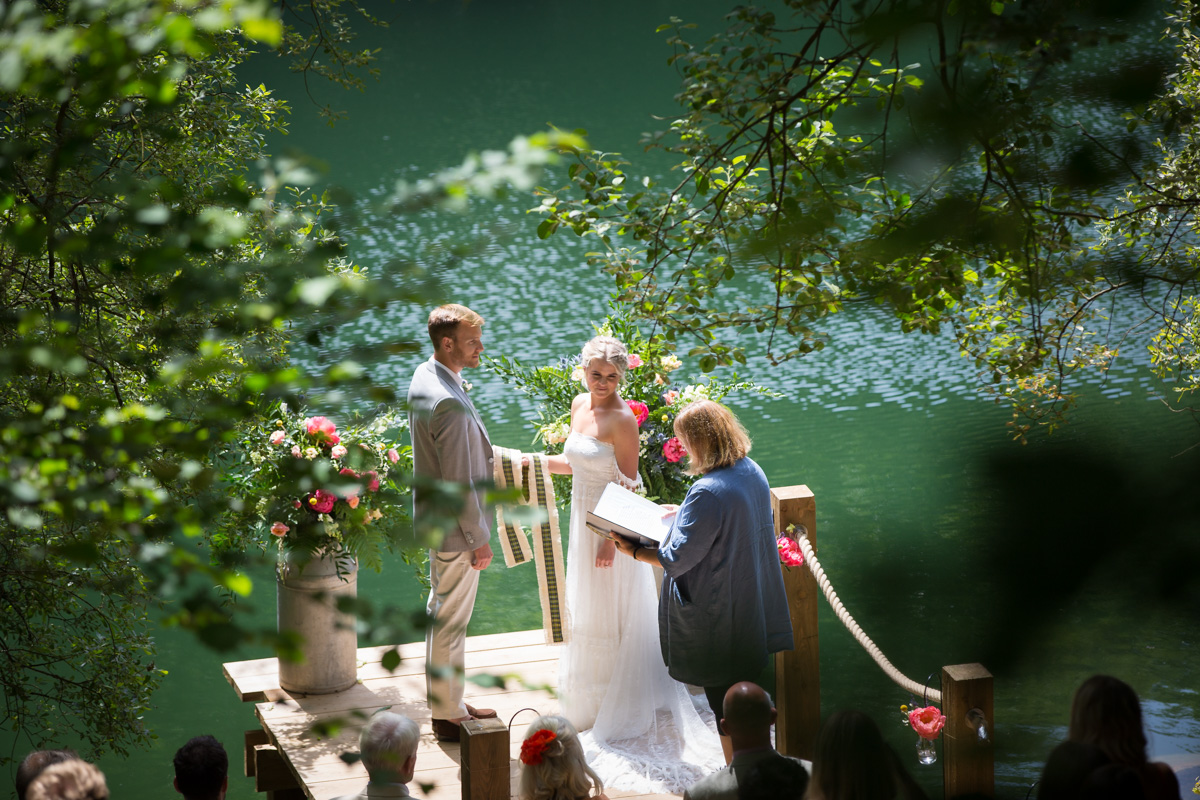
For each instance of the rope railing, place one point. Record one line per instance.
(814, 566)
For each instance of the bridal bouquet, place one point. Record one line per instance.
(305, 485)
(649, 388)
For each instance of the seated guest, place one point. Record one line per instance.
(756, 770)
(202, 769)
(854, 763)
(68, 780)
(33, 764)
(553, 766)
(1114, 782)
(1066, 770)
(1106, 714)
(388, 744)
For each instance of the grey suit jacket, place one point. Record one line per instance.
(450, 443)
(723, 784)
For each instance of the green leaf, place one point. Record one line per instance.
(390, 660)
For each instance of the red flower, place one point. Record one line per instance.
(533, 748)
(373, 483)
(321, 501)
(640, 410)
(673, 450)
(789, 551)
(927, 722)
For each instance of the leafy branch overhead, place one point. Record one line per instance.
(942, 160)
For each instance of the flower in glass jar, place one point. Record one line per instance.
(927, 722)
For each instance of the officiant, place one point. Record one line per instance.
(722, 608)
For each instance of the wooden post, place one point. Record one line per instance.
(798, 672)
(485, 760)
(968, 761)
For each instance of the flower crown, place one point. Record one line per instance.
(533, 748)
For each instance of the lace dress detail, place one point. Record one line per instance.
(641, 730)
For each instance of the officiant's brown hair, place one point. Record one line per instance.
(712, 436)
(443, 321)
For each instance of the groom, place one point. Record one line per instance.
(450, 444)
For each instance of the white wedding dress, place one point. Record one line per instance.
(640, 729)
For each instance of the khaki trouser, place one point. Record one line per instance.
(451, 601)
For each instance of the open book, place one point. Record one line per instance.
(623, 513)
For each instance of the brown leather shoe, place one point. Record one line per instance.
(481, 713)
(446, 731)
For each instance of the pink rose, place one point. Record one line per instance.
(789, 551)
(322, 428)
(635, 361)
(352, 501)
(639, 410)
(297, 504)
(392, 455)
(338, 451)
(279, 529)
(927, 722)
(347, 471)
(373, 483)
(670, 397)
(297, 452)
(277, 437)
(321, 501)
(673, 450)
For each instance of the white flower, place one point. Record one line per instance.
(556, 432)
(256, 457)
(577, 374)
(671, 363)
(693, 392)
(283, 408)
(310, 453)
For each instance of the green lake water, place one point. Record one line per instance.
(949, 543)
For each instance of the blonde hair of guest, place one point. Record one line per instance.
(564, 773)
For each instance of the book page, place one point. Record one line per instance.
(626, 509)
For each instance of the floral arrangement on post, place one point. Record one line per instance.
(650, 391)
(928, 722)
(308, 487)
(790, 554)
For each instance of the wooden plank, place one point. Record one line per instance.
(253, 738)
(798, 672)
(968, 763)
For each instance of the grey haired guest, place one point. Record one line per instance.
(388, 743)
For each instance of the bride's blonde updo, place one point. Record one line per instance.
(606, 348)
(552, 763)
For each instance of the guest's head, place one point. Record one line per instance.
(774, 779)
(1106, 713)
(68, 780)
(202, 769)
(747, 716)
(712, 436)
(1066, 770)
(32, 765)
(388, 744)
(552, 763)
(606, 350)
(852, 761)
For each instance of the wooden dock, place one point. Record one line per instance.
(291, 759)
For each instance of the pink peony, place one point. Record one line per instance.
(789, 551)
(639, 410)
(322, 428)
(373, 483)
(321, 501)
(297, 452)
(352, 501)
(277, 437)
(279, 529)
(927, 722)
(635, 361)
(673, 450)
(392, 455)
(347, 471)
(338, 451)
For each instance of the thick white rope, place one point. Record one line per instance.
(814, 566)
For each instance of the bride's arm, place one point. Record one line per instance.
(626, 445)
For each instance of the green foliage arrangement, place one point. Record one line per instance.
(306, 486)
(648, 389)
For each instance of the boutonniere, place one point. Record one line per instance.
(466, 386)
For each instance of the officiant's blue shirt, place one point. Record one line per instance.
(723, 608)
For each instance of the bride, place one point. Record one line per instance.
(645, 731)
